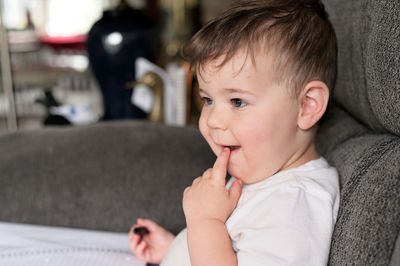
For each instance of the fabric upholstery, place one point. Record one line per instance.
(368, 86)
(369, 214)
(396, 254)
(360, 135)
(100, 177)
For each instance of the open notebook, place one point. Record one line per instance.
(23, 244)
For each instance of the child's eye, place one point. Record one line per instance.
(207, 100)
(238, 103)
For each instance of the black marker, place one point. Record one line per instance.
(140, 230)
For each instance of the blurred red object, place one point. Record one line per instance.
(75, 42)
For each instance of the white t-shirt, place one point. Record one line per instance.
(286, 219)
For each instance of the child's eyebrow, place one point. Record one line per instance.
(202, 91)
(231, 90)
(237, 90)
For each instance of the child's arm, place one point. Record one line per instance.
(207, 205)
(152, 246)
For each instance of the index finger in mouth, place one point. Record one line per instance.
(221, 165)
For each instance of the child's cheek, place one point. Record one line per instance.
(204, 130)
(203, 124)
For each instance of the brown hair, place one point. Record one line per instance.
(298, 30)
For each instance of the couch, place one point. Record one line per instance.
(104, 176)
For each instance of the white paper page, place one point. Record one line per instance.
(23, 244)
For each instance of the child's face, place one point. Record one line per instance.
(246, 110)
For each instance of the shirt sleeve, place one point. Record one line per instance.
(292, 225)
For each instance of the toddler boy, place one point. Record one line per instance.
(264, 70)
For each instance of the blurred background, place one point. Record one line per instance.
(74, 62)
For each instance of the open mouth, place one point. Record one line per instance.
(232, 148)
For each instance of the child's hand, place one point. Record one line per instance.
(208, 198)
(150, 247)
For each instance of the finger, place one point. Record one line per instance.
(134, 242)
(140, 249)
(235, 191)
(187, 189)
(207, 173)
(149, 224)
(220, 166)
(197, 180)
(132, 247)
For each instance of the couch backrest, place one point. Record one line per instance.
(102, 176)
(368, 86)
(361, 133)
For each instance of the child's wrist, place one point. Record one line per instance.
(203, 222)
(198, 217)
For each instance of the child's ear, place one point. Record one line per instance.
(313, 102)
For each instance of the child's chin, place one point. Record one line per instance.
(234, 172)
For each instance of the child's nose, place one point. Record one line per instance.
(217, 119)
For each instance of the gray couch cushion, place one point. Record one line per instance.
(102, 176)
(396, 254)
(369, 60)
(369, 216)
(361, 133)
